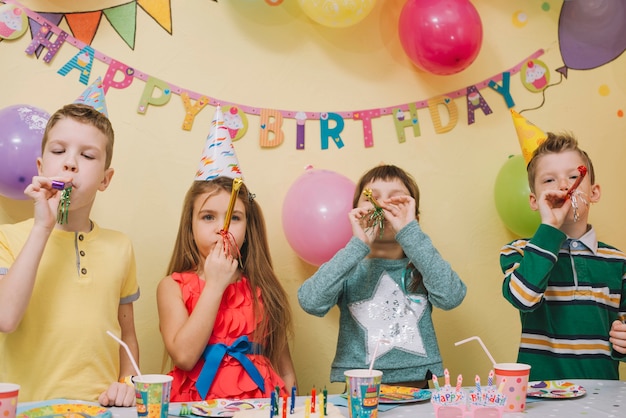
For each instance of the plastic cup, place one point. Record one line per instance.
(515, 386)
(153, 395)
(363, 392)
(8, 399)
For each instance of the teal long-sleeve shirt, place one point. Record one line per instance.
(568, 292)
(373, 306)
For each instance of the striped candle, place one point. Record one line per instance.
(435, 382)
(477, 380)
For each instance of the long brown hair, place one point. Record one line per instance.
(276, 325)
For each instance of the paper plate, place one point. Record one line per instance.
(67, 410)
(555, 389)
(402, 394)
(225, 407)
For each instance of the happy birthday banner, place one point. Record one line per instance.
(157, 92)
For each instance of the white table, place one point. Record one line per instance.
(604, 398)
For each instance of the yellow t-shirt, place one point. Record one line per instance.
(61, 348)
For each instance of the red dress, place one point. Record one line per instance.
(235, 318)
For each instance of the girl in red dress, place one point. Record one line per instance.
(224, 316)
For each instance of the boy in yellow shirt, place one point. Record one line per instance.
(63, 284)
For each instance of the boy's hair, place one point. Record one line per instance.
(556, 143)
(83, 114)
(275, 326)
(388, 172)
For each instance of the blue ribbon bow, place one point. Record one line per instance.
(213, 355)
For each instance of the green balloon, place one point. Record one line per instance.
(511, 192)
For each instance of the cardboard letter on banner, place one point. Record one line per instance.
(147, 99)
(271, 121)
(40, 40)
(191, 110)
(109, 77)
(401, 122)
(447, 103)
(334, 133)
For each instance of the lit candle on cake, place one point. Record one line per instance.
(313, 399)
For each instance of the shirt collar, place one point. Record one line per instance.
(588, 239)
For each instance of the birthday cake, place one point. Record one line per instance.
(331, 412)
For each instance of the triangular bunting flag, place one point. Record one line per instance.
(123, 18)
(159, 10)
(84, 25)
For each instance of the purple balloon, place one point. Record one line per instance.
(591, 33)
(21, 131)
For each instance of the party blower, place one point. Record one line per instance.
(511, 379)
(376, 218)
(230, 246)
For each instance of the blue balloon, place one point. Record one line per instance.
(21, 132)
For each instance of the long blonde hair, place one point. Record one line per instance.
(276, 323)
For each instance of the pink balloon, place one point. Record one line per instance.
(440, 37)
(21, 131)
(315, 215)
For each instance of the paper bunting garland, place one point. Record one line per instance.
(48, 37)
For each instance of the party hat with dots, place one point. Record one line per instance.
(218, 156)
(94, 96)
(529, 135)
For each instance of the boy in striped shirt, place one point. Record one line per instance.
(568, 286)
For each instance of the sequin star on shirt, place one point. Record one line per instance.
(390, 315)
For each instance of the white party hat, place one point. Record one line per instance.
(218, 157)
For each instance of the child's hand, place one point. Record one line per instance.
(118, 394)
(399, 211)
(358, 220)
(220, 268)
(617, 336)
(46, 199)
(554, 205)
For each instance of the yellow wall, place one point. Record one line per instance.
(275, 57)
